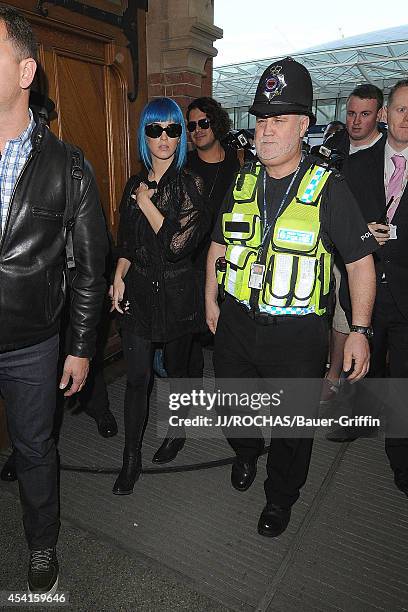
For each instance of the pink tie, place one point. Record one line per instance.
(394, 188)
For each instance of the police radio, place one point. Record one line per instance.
(221, 266)
(238, 140)
(333, 157)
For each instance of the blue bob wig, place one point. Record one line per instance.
(156, 111)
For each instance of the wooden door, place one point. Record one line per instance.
(86, 69)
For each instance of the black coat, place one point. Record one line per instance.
(365, 175)
(162, 296)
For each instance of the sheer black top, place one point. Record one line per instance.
(162, 300)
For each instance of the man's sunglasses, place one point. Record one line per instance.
(204, 124)
(155, 130)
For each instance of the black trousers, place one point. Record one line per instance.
(28, 382)
(93, 398)
(390, 335)
(138, 355)
(196, 360)
(293, 347)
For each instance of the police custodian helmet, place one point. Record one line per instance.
(285, 88)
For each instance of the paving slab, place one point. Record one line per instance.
(185, 540)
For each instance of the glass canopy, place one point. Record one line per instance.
(379, 57)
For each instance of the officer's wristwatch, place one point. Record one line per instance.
(360, 329)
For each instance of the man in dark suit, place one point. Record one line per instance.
(363, 113)
(364, 109)
(378, 179)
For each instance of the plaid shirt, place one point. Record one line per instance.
(12, 161)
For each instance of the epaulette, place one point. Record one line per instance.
(317, 160)
(331, 159)
(335, 172)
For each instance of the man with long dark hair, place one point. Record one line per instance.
(209, 124)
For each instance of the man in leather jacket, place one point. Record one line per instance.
(34, 183)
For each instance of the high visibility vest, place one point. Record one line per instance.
(298, 267)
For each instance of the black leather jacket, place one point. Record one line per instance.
(32, 253)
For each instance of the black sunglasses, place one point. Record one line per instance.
(204, 124)
(155, 130)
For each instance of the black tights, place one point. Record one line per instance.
(138, 354)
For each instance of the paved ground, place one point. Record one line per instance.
(186, 540)
(95, 573)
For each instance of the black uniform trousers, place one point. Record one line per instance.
(28, 382)
(290, 347)
(390, 334)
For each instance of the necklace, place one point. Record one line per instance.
(216, 175)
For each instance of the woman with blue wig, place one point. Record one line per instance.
(155, 289)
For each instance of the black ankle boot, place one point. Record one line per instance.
(168, 450)
(129, 474)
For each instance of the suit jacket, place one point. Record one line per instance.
(365, 174)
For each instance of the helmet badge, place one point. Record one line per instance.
(274, 83)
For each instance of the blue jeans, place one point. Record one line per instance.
(28, 384)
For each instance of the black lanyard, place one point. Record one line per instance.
(267, 227)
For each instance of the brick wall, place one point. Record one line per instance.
(183, 86)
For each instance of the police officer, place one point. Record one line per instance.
(277, 230)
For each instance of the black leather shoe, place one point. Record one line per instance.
(8, 472)
(106, 422)
(342, 434)
(243, 474)
(168, 450)
(350, 434)
(273, 520)
(401, 480)
(128, 475)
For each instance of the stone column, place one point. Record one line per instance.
(180, 36)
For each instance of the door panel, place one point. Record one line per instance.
(80, 96)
